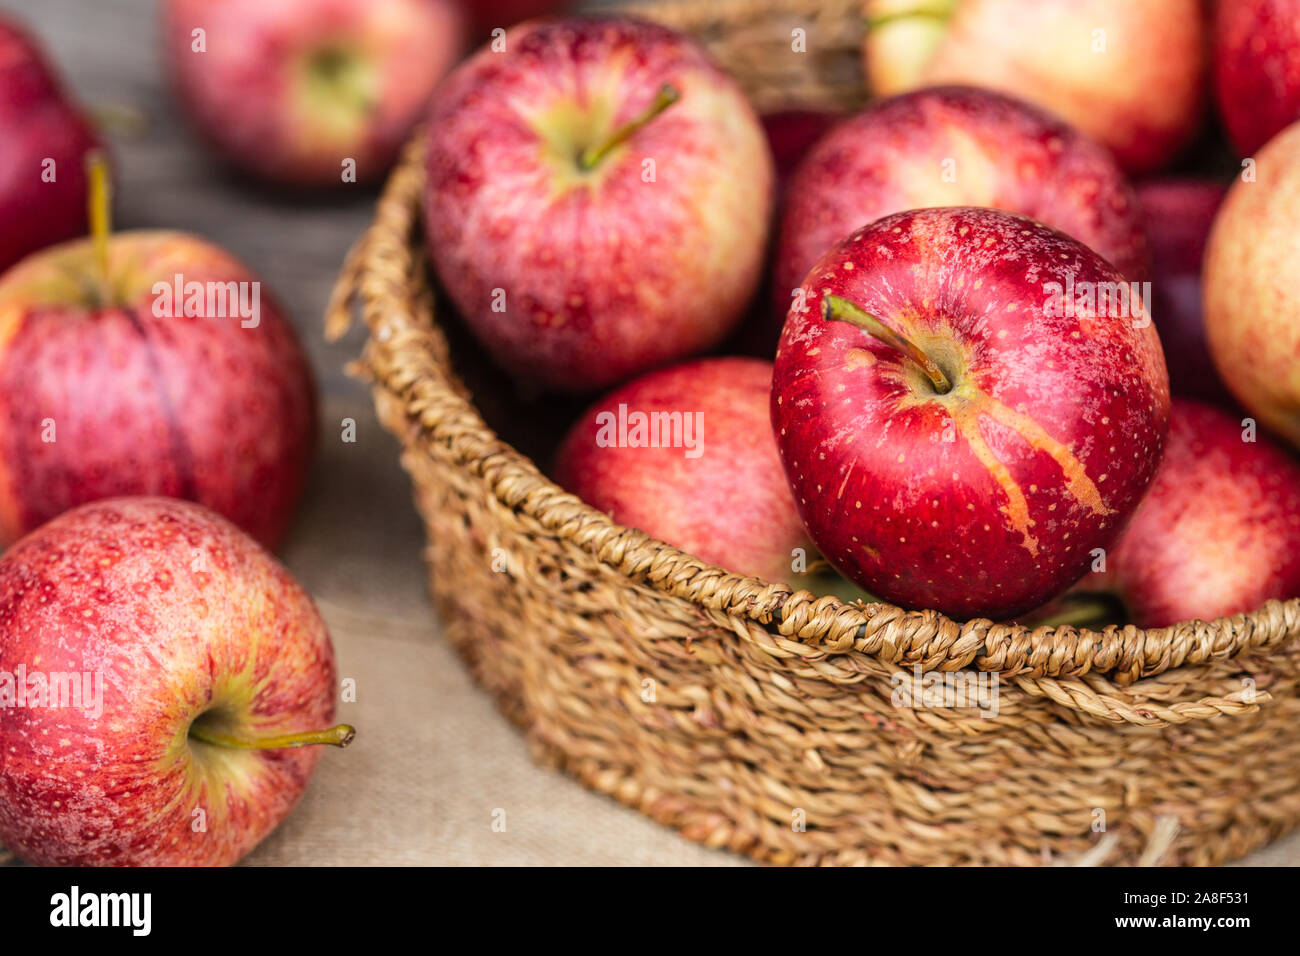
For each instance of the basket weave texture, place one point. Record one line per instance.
(765, 720)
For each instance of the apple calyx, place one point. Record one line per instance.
(338, 736)
(590, 157)
(340, 82)
(99, 195)
(836, 309)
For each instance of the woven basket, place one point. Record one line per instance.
(763, 720)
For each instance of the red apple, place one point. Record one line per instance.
(955, 146)
(111, 384)
(289, 91)
(598, 199)
(1129, 74)
(1178, 214)
(1257, 68)
(711, 484)
(1252, 287)
(1217, 534)
(961, 417)
(198, 666)
(43, 141)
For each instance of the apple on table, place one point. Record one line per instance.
(204, 675)
(112, 383)
(44, 138)
(291, 91)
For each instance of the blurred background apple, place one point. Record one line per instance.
(290, 90)
(44, 138)
(1129, 74)
(1252, 287)
(1256, 68)
(488, 15)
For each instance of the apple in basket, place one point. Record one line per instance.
(1128, 74)
(159, 672)
(686, 455)
(967, 408)
(1218, 532)
(598, 199)
(309, 92)
(148, 363)
(43, 141)
(1256, 59)
(1251, 286)
(1178, 214)
(955, 146)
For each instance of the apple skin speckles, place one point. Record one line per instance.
(988, 500)
(180, 613)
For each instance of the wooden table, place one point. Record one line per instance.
(433, 760)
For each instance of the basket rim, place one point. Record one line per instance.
(389, 258)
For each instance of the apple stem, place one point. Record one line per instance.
(836, 309)
(339, 736)
(99, 209)
(592, 155)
